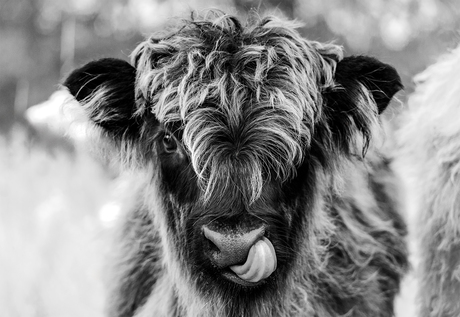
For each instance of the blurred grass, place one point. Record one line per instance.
(52, 240)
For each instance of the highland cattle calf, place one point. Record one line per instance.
(261, 190)
(429, 161)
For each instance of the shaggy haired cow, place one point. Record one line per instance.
(429, 161)
(261, 191)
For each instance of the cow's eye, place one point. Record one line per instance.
(169, 143)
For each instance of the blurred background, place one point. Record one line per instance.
(57, 205)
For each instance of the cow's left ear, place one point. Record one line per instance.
(105, 88)
(381, 79)
(363, 88)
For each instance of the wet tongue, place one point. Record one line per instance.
(260, 263)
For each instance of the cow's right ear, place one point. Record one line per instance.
(105, 88)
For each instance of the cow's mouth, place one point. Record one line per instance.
(260, 263)
(232, 277)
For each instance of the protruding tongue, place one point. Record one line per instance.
(260, 264)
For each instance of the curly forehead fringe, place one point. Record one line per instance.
(249, 94)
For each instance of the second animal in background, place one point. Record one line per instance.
(428, 160)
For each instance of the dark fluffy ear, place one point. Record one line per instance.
(363, 89)
(105, 88)
(381, 79)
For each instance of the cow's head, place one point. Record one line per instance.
(238, 127)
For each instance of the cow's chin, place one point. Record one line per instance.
(228, 285)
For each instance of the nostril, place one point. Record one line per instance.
(232, 246)
(212, 246)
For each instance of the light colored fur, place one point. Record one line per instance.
(272, 144)
(429, 161)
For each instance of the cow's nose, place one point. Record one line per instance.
(231, 245)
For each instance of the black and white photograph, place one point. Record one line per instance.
(229, 158)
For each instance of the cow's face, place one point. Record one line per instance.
(239, 125)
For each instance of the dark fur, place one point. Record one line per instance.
(246, 125)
